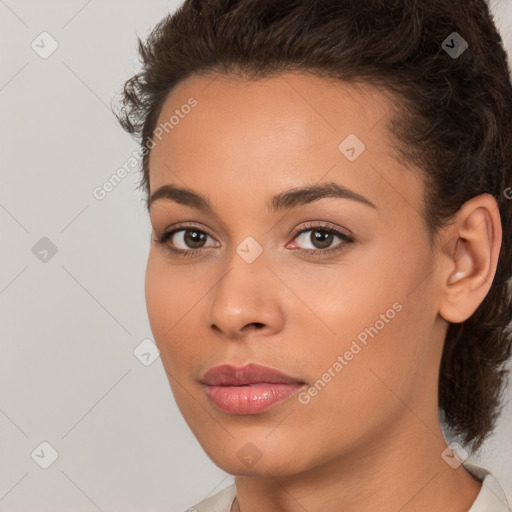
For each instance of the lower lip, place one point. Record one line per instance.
(250, 399)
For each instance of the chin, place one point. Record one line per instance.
(245, 459)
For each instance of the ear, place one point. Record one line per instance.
(470, 250)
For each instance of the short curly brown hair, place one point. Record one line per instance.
(453, 120)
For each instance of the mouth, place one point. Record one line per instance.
(251, 398)
(249, 389)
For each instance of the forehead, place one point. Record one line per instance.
(296, 108)
(279, 131)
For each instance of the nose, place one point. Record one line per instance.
(246, 301)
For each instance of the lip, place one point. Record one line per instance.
(249, 389)
(228, 375)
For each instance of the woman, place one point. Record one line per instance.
(329, 187)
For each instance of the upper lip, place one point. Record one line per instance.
(227, 375)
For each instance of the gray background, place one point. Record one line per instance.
(72, 320)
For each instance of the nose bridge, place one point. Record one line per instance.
(245, 294)
(246, 271)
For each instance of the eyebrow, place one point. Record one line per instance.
(283, 201)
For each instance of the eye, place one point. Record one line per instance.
(321, 238)
(192, 240)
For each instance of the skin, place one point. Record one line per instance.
(371, 438)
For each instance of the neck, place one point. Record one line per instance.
(389, 473)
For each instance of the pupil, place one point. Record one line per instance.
(194, 237)
(325, 239)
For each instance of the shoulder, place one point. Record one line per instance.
(492, 497)
(219, 502)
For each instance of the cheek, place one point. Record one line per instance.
(360, 380)
(349, 296)
(167, 301)
(170, 292)
(159, 298)
(175, 305)
(377, 314)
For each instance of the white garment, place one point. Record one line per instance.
(491, 497)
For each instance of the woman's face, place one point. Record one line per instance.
(355, 319)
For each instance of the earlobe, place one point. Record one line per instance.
(470, 262)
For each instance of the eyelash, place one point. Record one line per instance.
(191, 253)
